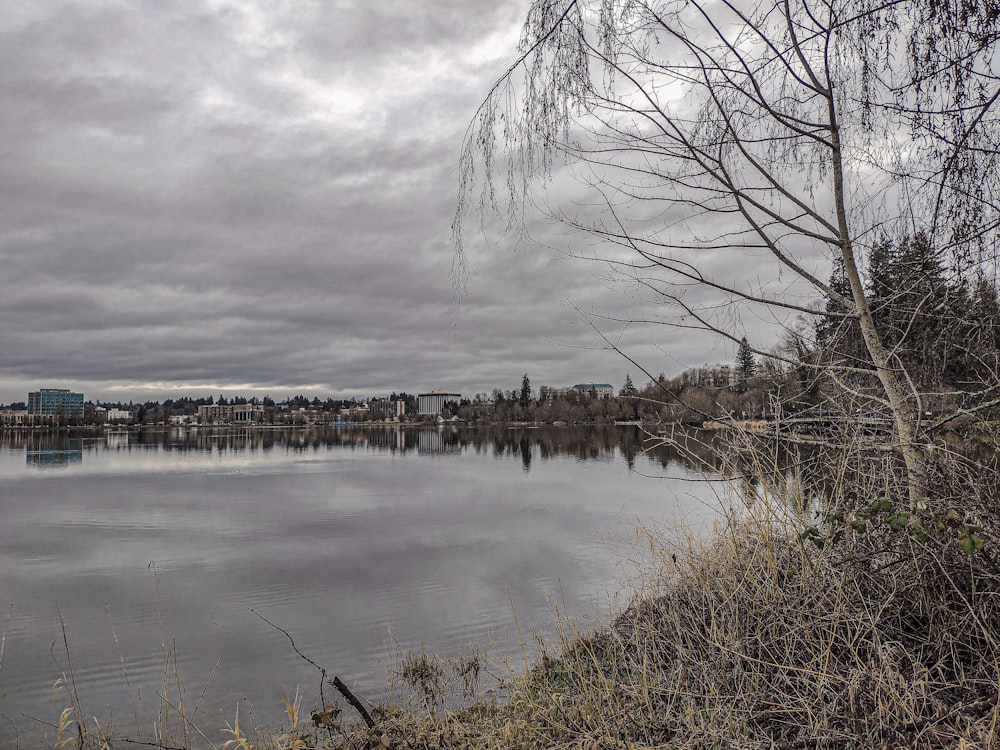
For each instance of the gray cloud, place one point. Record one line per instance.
(260, 194)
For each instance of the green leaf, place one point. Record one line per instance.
(898, 521)
(971, 544)
(882, 505)
(920, 532)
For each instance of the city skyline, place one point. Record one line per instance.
(364, 396)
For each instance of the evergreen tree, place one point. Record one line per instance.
(746, 365)
(628, 389)
(525, 396)
(837, 333)
(944, 332)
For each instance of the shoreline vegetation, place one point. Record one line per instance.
(859, 611)
(818, 614)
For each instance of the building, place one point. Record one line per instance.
(601, 390)
(246, 413)
(433, 402)
(714, 376)
(58, 401)
(11, 418)
(385, 408)
(112, 414)
(230, 414)
(355, 413)
(549, 391)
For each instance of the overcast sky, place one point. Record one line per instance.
(256, 197)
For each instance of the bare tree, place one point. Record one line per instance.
(797, 133)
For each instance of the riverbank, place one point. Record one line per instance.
(759, 636)
(360, 543)
(869, 625)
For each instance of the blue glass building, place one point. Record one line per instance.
(55, 401)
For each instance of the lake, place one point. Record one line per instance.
(360, 543)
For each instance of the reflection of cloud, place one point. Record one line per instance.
(318, 530)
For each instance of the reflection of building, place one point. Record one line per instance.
(52, 450)
(51, 458)
(433, 402)
(390, 439)
(601, 390)
(437, 443)
(56, 401)
(116, 439)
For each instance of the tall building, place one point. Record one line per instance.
(433, 402)
(385, 408)
(55, 401)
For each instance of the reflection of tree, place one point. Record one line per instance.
(685, 450)
(525, 454)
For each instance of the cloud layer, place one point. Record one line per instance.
(258, 196)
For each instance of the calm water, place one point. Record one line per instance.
(358, 543)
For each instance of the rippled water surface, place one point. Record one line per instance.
(357, 542)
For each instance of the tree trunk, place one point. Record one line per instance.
(904, 418)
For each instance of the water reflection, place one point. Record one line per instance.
(48, 456)
(355, 540)
(46, 449)
(749, 460)
(690, 448)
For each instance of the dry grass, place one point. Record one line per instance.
(746, 648)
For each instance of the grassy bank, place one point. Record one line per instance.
(759, 640)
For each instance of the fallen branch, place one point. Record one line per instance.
(345, 691)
